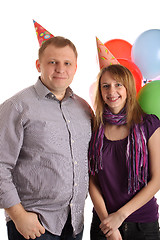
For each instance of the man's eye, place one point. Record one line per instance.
(119, 84)
(67, 63)
(52, 62)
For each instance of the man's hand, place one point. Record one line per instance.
(29, 226)
(26, 223)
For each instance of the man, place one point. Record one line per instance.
(44, 135)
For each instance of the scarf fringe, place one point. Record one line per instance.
(137, 159)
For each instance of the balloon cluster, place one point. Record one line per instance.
(145, 54)
(143, 60)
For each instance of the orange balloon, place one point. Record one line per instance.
(134, 70)
(119, 48)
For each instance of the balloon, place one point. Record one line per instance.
(134, 70)
(146, 53)
(149, 98)
(157, 78)
(119, 48)
(150, 80)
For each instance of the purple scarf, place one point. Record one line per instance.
(136, 154)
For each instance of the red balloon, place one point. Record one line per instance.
(134, 70)
(119, 48)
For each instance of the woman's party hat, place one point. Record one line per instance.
(105, 56)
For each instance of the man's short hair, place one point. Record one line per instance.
(58, 42)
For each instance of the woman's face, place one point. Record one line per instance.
(114, 93)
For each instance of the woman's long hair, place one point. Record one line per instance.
(120, 74)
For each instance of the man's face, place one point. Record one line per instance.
(57, 67)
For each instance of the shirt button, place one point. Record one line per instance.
(75, 162)
(71, 204)
(75, 184)
(68, 121)
(72, 141)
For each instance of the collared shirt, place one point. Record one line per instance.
(43, 155)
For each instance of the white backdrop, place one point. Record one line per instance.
(78, 20)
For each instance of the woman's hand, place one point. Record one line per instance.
(115, 236)
(111, 223)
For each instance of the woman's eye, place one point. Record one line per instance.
(106, 86)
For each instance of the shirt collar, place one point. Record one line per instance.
(69, 93)
(43, 91)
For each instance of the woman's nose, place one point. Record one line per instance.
(111, 89)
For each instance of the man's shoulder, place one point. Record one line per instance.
(80, 100)
(23, 96)
(84, 104)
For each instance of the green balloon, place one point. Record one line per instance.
(149, 98)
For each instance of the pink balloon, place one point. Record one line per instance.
(92, 92)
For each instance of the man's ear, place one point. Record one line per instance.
(38, 65)
(76, 68)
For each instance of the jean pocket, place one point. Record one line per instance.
(150, 230)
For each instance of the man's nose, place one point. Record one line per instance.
(60, 68)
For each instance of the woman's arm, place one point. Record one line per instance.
(114, 220)
(97, 198)
(99, 205)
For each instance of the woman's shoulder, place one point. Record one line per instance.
(150, 122)
(151, 119)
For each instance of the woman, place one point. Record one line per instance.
(124, 161)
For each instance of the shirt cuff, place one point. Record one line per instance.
(9, 199)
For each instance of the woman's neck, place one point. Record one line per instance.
(115, 132)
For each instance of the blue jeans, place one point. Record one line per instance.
(67, 233)
(128, 230)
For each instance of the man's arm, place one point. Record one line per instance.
(11, 140)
